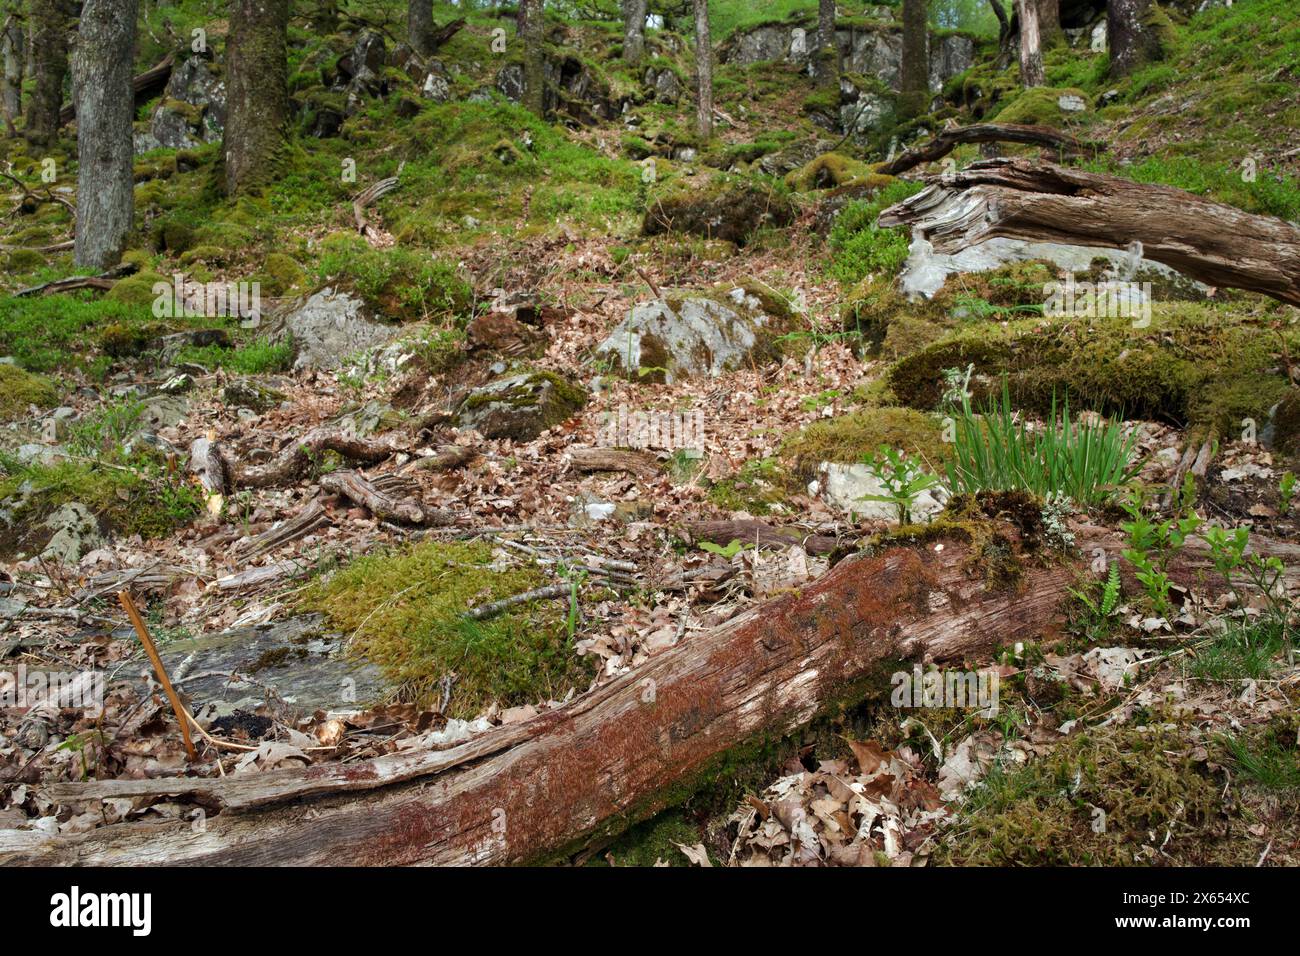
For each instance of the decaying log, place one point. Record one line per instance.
(618, 753)
(144, 85)
(445, 458)
(103, 281)
(1207, 241)
(949, 139)
(296, 457)
(638, 463)
(387, 507)
(750, 532)
(309, 519)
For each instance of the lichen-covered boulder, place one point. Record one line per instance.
(521, 405)
(696, 336)
(192, 111)
(74, 532)
(332, 326)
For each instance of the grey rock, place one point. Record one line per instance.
(192, 111)
(332, 326)
(436, 87)
(520, 406)
(699, 337)
(73, 533)
(667, 88)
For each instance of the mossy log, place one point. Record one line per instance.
(622, 752)
(1017, 199)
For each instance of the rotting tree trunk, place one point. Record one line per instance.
(826, 59)
(1207, 241)
(1031, 45)
(532, 30)
(1131, 35)
(101, 85)
(619, 753)
(48, 31)
(703, 72)
(634, 14)
(257, 100)
(915, 69)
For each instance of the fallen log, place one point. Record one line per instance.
(1207, 241)
(751, 532)
(104, 281)
(638, 463)
(310, 518)
(949, 139)
(616, 754)
(296, 457)
(385, 506)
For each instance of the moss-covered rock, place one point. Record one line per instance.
(725, 208)
(280, 275)
(20, 389)
(520, 406)
(831, 170)
(846, 439)
(1041, 106)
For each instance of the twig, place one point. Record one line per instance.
(129, 606)
(538, 594)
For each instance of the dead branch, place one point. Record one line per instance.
(103, 281)
(949, 139)
(639, 463)
(750, 532)
(368, 197)
(537, 594)
(356, 487)
(1208, 241)
(296, 457)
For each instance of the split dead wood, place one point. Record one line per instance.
(750, 532)
(358, 488)
(639, 463)
(444, 458)
(296, 457)
(368, 197)
(580, 772)
(1012, 198)
(949, 139)
(310, 519)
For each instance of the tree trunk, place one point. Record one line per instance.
(419, 26)
(257, 100)
(703, 71)
(48, 29)
(617, 754)
(634, 14)
(11, 59)
(1049, 22)
(1215, 244)
(827, 57)
(1131, 36)
(1031, 45)
(532, 30)
(915, 70)
(325, 16)
(101, 87)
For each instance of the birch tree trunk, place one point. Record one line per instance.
(634, 14)
(101, 88)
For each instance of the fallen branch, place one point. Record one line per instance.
(356, 487)
(143, 633)
(368, 197)
(310, 518)
(103, 281)
(949, 139)
(296, 457)
(1208, 241)
(750, 532)
(537, 594)
(638, 463)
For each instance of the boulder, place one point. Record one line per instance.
(521, 405)
(192, 111)
(729, 210)
(664, 83)
(73, 532)
(503, 333)
(845, 487)
(332, 326)
(699, 336)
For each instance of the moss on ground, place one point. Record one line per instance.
(847, 438)
(406, 609)
(20, 389)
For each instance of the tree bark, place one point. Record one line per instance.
(11, 60)
(257, 102)
(419, 26)
(143, 86)
(915, 68)
(48, 30)
(703, 72)
(1031, 45)
(532, 30)
(827, 57)
(622, 752)
(634, 14)
(101, 85)
(1049, 22)
(1213, 243)
(1130, 35)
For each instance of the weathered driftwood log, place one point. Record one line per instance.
(1208, 241)
(949, 139)
(613, 755)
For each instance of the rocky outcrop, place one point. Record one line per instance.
(731, 210)
(332, 326)
(697, 336)
(192, 111)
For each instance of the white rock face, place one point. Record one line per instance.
(843, 487)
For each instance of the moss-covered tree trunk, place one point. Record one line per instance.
(703, 71)
(11, 60)
(827, 63)
(419, 26)
(1049, 22)
(257, 98)
(634, 14)
(1133, 35)
(1031, 45)
(101, 90)
(915, 71)
(532, 30)
(48, 27)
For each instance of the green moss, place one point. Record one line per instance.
(835, 169)
(406, 611)
(400, 283)
(1039, 106)
(1286, 423)
(1193, 364)
(859, 247)
(847, 438)
(136, 290)
(280, 275)
(24, 261)
(654, 842)
(20, 389)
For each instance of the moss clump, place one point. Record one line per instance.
(406, 611)
(1286, 423)
(136, 290)
(1040, 106)
(20, 389)
(830, 170)
(847, 438)
(399, 283)
(280, 275)
(859, 247)
(1145, 781)
(23, 261)
(1192, 364)
(654, 842)
(725, 208)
